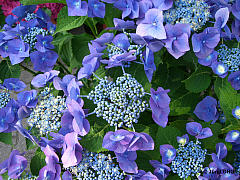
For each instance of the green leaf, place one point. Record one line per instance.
(184, 104)
(9, 71)
(110, 14)
(30, 2)
(6, 138)
(228, 97)
(30, 144)
(198, 81)
(94, 139)
(167, 135)
(65, 22)
(61, 39)
(80, 49)
(37, 162)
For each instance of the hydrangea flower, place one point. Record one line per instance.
(183, 140)
(14, 84)
(43, 43)
(162, 4)
(221, 17)
(117, 141)
(43, 61)
(161, 170)
(152, 25)
(127, 162)
(77, 8)
(72, 150)
(236, 112)
(168, 153)
(234, 79)
(159, 103)
(42, 79)
(96, 9)
(177, 39)
(15, 165)
(206, 109)
(195, 129)
(220, 69)
(205, 42)
(209, 60)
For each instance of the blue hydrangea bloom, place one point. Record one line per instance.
(234, 79)
(152, 25)
(77, 7)
(43, 43)
(195, 129)
(96, 9)
(206, 110)
(168, 153)
(42, 79)
(43, 61)
(205, 42)
(236, 112)
(14, 84)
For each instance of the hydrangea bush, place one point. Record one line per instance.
(121, 89)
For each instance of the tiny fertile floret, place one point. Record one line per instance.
(46, 116)
(96, 166)
(189, 160)
(119, 103)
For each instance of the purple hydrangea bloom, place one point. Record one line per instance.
(152, 25)
(77, 7)
(121, 41)
(206, 109)
(161, 170)
(118, 59)
(90, 63)
(221, 150)
(43, 61)
(72, 150)
(67, 175)
(234, 79)
(168, 153)
(6, 118)
(159, 103)
(236, 29)
(195, 129)
(141, 141)
(66, 123)
(205, 42)
(149, 66)
(221, 17)
(14, 84)
(52, 170)
(236, 9)
(63, 84)
(43, 43)
(55, 143)
(80, 125)
(42, 79)
(105, 38)
(211, 58)
(27, 98)
(121, 24)
(117, 141)
(18, 51)
(15, 165)
(130, 8)
(233, 136)
(162, 4)
(96, 8)
(22, 11)
(177, 39)
(220, 69)
(183, 140)
(236, 112)
(127, 162)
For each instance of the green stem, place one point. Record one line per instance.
(62, 66)
(95, 28)
(27, 69)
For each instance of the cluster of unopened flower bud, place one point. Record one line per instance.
(236, 163)
(230, 57)
(189, 160)
(30, 16)
(4, 98)
(97, 166)
(193, 12)
(119, 103)
(46, 116)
